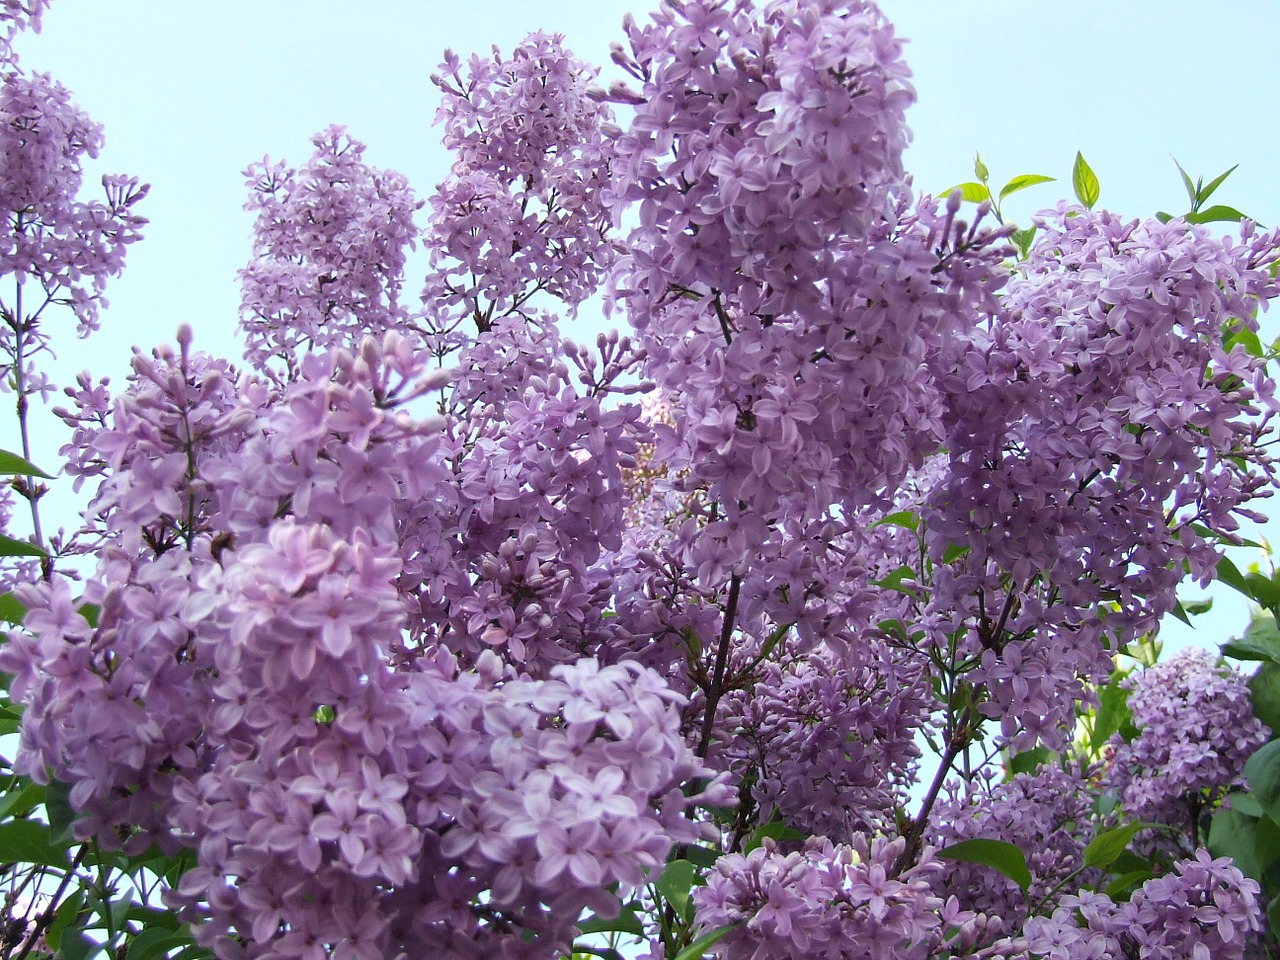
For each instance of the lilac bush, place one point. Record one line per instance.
(431, 630)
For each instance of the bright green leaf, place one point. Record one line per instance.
(980, 169)
(1000, 856)
(1262, 770)
(1027, 761)
(775, 830)
(955, 551)
(11, 463)
(1230, 574)
(1207, 191)
(1021, 182)
(970, 192)
(1113, 713)
(21, 798)
(1084, 182)
(894, 580)
(903, 518)
(1126, 882)
(1023, 239)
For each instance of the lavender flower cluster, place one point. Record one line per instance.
(440, 661)
(1196, 729)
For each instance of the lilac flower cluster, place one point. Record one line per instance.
(67, 247)
(521, 213)
(829, 742)
(825, 900)
(329, 249)
(244, 696)
(1096, 425)
(1046, 814)
(1204, 909)
(788, 300)
(1196, 729)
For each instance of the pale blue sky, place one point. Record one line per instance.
(190, 93)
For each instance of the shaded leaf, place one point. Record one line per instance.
(11, 463)
(1000, 856)
(28, 841)
(1261, 641)
(1106, 847)
(1264, 694)
(675, 883)
(12, 610)
(695, 950)
(626, 921)
(10, 547)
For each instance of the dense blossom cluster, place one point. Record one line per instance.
(424, 638)
(521, 212)
(825, 900)
(1196, 729)
(1098, 424)
(1047, 814)
(329, 252)
(1203, 909)
(828, 743)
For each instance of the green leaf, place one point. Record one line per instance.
(1000, 856)
(695, 950)
(1023, 239)
(1245, 803)
(701, 856)
(62, 816)
(1163, 216)
(1180, 612)
(1198, 607)
(1264, 694)
(903, 518)
(627, 921)
(12, 463)
(76, 945)
(1230, 574)
(955, 551)
(1261, 641)
(1192, 193)
(970, 192)
(1203, 194)
(12, 610)
(21, 798)
(1106, 847)
(10, 547)
(28, 841)
(1084, 182)
(1021, 182)
(154, 942)
(1127, 881)
(67, 913)
(1252, 842)
(894, 580)
(90, 612)
(980, 169)
(1027, 761)
(675, 883)
(1216, 213)
(1113, 713)
(1262, 770)
(774, 830)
